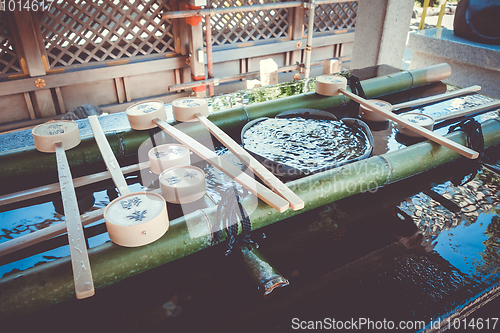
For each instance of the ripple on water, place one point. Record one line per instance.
(306, 144)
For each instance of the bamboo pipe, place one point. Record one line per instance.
(90, 179)
(13, 163)
(424, 14)
(458, 148)
(266, 277)
(50, 283)
(441, 13)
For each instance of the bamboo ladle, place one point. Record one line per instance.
(436, 98)
(428, 122)
(191, 109)
(368, 114)
(151, 114)
(133, 219)
(58, 136)
(332, 85)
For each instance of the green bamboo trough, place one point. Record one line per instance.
(50, 283)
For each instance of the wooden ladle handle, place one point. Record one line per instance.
(267, 177)
(84, 285)
(236, 174)
(445, 142)
(108, 156)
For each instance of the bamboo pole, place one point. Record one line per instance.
(52, 282)
(18, 164)
(441, 13)
(424, 14)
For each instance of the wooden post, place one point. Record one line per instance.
(28, 46)
(297, 33)
(197, 57)
(268, 72)
(331, 66)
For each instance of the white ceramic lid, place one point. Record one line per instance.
(182, 184)
(136, 219)
(48, 134)
(166, 156)
(141, 115)
(185, 108)
(370, 115)
(329, 85)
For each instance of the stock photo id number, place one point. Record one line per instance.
(27, 5)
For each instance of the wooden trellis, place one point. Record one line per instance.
(9, 62)
(79, 31)
(332, 18)
(245, 27)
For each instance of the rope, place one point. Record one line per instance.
(356, 88)
(355, 85)
(229, 212)
(475, 141)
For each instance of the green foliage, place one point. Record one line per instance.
(432, 3)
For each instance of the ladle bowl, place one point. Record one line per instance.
(136, 219)
(136, 112)
(182, 184)
(133, 219)
(167, 156)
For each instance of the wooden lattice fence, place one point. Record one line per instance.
(244, 27)
(112, 53)
(9, 62)
(79, 31)
(333, 18)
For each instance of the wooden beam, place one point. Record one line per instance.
(60, 100)
(39, 39)
(195, 46)
(44, 104)
(32, 54)
(29, 41)
(29, 104)
(120, 90)
(125, 88)
(92, 75)
(177, 74)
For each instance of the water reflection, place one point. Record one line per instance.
(470, 238)
(25, 220)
